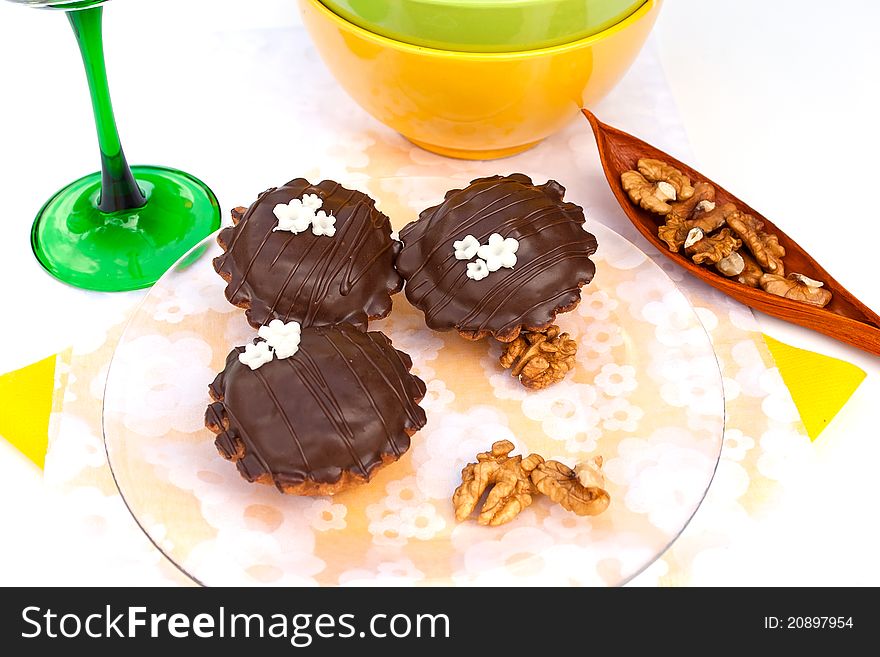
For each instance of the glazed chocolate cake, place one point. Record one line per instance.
(317, 254)
(499, 257)
(321, 420)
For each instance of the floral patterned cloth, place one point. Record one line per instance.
(763, 434)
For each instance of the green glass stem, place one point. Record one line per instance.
(119, 191)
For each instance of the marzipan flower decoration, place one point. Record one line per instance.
(312, 201)
(300, 214)
(283, 338)
(477, 270)
(324, 224)
(279, 339)
(499, 252)
(466, 248)
(293, 217)
(256, 355)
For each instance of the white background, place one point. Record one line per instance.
(779, 100)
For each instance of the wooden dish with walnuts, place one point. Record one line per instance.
(721, 240)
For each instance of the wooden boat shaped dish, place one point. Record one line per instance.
(845, 318)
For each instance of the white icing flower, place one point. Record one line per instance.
(312, 202)
(256, 355)
(477, 270)
(466, 248)
(293, 217)
(283, 338)
(499, 252)
(324, 224)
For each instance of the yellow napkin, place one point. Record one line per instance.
(819, 385)
(26, 402)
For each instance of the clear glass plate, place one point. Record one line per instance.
(646, 395)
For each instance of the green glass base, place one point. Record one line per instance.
(126, 250)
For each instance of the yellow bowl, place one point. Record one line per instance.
(475, 105)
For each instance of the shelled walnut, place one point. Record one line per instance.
(657, 172)
(732, 265)
(540, 358)
(764, 246)
(581, 490)
(702, 200)
(713, 219)
(650, 196)
(707, 218)
(751, 273)
(512, 482)
(712, 249)
(797, 287)
(714, 235)
(654, 184)
(509, 478)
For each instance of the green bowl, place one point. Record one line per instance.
(484, 25)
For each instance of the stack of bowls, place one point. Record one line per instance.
(478, 79)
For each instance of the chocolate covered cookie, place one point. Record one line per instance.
(496, 258)
(316, 254)
(317, 410)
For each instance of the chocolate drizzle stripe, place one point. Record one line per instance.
(409, 405)
(253, 259)
(470, 199)
(331, 247)
(448, 295)
(369, 398)
(463, 224)
(406, 403)
(519, 277)
(319, 291)
(283, 414)
(293, 270)
(323, 396)
(246, 218)
(466, 199)
(319, 288)
(412, 408)
(308, 280)
(559, 295)
(379, 253)
(348, 262)
(251, 449)
(319, 281)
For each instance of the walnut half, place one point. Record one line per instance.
(764, 246)
(655, 184)
(751, 273)
(509, 477)
(660, 172)
(540, 358)
(710, 248)
(581, 491)
(650, 196)
(797, 287)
